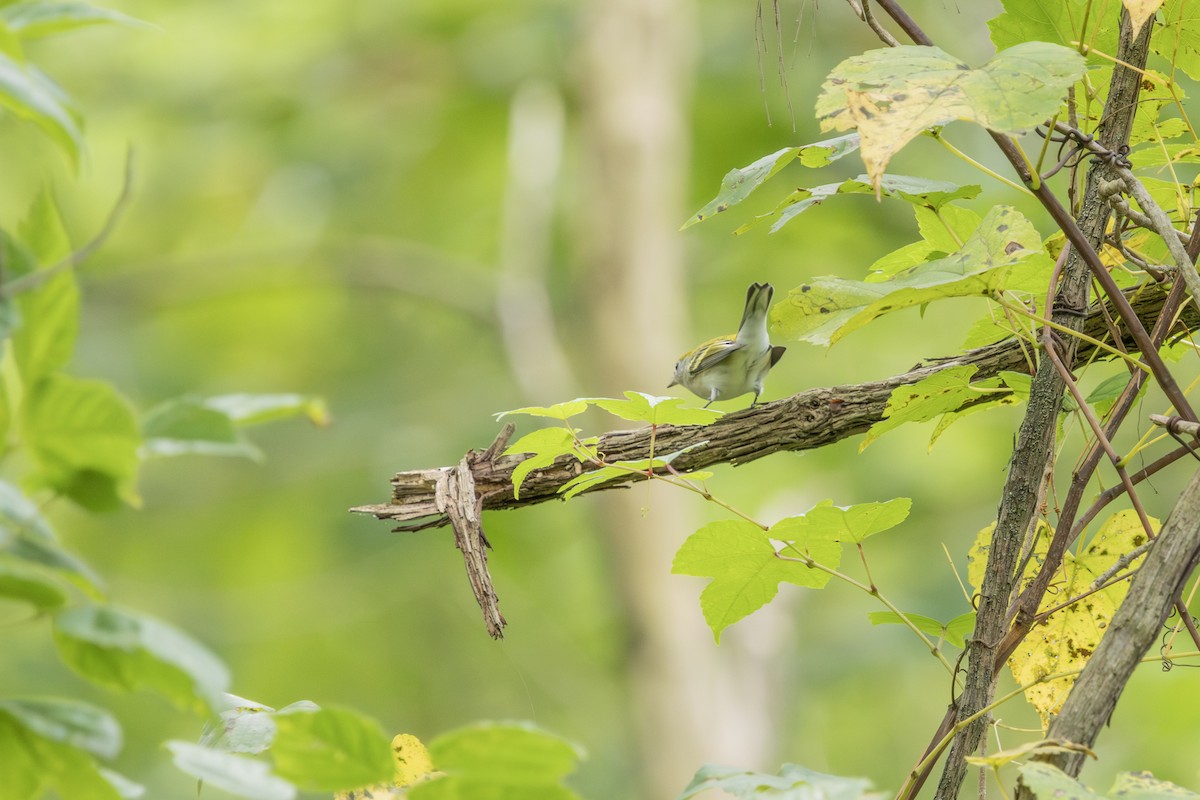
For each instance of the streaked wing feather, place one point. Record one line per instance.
(715, 352)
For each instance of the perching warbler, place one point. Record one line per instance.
(726, 367)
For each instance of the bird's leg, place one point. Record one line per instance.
(712, 397)
(754, 402)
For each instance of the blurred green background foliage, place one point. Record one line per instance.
(318, 207)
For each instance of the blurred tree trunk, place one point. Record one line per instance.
(636, 78)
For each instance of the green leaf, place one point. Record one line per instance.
(71, 722)
(648, 408)
(891, 95)
(943, 391)
(826, 309)
(239, 775)
(330, 749)
(745, 569)
(918, 191)
(38, 750)
(562, 411)
(952, 631)
(1159, 154)
(855, 523)
(625, 470)
(1144, 786)
(21, 753)
(1179, 40)
(951, 417)
(544, 446)
(1056, 21)
(255, 409)
(29, 94)
(50, 556)
(34, 20)
(1050, 783)
(1105, 395)
(1021, 383)
(943, 230)
(84, 439)
(21, 582)
(503, 760)
(19, 514)
(739, 183)
(124, 650)
(49, 313)
(792, 783)
(187, 426)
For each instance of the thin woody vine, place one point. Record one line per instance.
(1084, 101)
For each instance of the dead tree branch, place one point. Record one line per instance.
(805, 421)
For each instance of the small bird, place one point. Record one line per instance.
(730, 366)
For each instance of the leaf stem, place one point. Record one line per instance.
(1077, 334)
(937, 135)
(809, 562)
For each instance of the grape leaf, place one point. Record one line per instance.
(921, 192)
(502, 760)
(855, 523)
(560, 411)
(744, 566)
(1069, 637)
(1056, 21)
(827, 308)
(329, 749)
(1051, 783)
(737, 184)
(543, 447)
(944, 391)
(943, 230)
(891, 95)
(952, 631)
(1144, 786)
(648, 408)
(1179, 40)
(792, 783)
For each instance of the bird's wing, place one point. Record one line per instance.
(712, 352)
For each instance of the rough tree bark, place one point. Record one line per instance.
(1032, 457)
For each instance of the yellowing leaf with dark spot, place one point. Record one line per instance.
(828, 308)
(892, 95)
(1069, 637)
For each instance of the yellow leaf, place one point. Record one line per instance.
(1068, 638)
(891, 95)
(1005, 757)
(1140, 11)
(412, 759)
(413, 765)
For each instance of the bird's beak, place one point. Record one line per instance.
(672, 383)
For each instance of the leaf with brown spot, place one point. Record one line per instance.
(892, 95)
